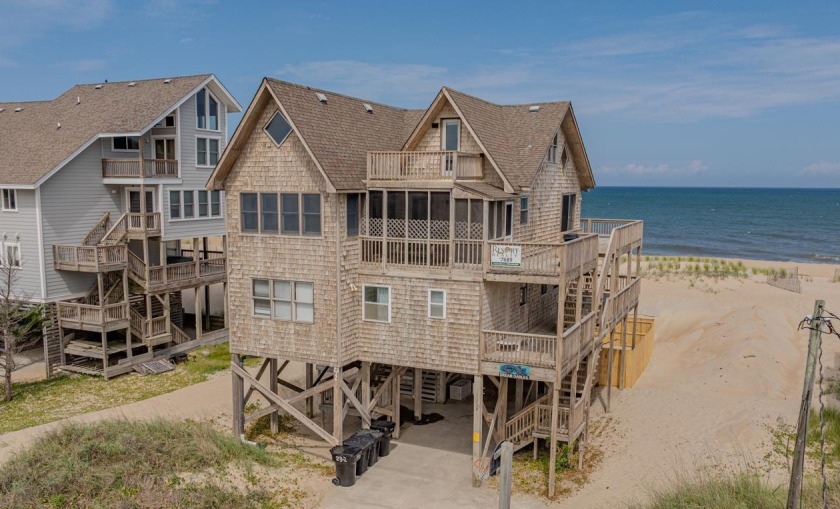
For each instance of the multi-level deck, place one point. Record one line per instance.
(130, 306)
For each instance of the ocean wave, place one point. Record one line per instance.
(822, 257)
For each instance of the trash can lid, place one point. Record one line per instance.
(383, 425)
(346, 451)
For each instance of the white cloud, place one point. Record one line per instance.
(693, 168)
(821, 169)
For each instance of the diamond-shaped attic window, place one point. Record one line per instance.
(278, 128)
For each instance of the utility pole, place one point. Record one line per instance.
(805, 408)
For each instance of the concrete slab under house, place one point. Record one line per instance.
(395, 253)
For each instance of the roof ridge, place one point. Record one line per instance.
(6, 103)
(539, 103)
(207, 75)
(346, 96)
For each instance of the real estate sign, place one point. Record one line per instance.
(505, 255)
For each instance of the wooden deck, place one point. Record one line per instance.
(177, 276)
(93, 317)
(538, 349)
(82, 258)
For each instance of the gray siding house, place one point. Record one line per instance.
(104, 214)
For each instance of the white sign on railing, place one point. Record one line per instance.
(505, 256)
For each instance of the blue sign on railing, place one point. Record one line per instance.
(515, 371)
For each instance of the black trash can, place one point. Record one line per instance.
(374, 438)
(387, 429)
(567, 237)
(346, 458)
(365, 445)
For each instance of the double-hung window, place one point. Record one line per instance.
(284, 300)
(9, 200)
(377, 304)
(250, 213)
(10, 257)
(201, 204)
(295, 214)
(437, 304)
(175, 204)
(353, 202)
(268, 213)
(206, 151)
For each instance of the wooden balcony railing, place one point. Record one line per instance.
(541, 259)
(132, 168)
(89, 258)
(539, 350)
(148, 223)
(577, 339)
(617, 306)
(78, 315)
(439, 165)
(204, 272)
(421, 253)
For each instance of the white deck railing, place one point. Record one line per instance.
(438, 165)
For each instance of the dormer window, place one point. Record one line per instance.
(206, 110)
(552, 150)
(278, 128)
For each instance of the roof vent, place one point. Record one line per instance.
(132, 84)
(368, 108)
(321, 97)
(59, 126)
(167, 81)
(534, 109)
(18, 110)
(98, 87)
(2, 110)
(78, 99)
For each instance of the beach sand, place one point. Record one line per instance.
(727, 364)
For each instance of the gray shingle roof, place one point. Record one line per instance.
(31, 144)
(516, 138)
(341, 132)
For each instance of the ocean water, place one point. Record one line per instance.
(801, 225)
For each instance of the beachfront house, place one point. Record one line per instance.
(402, 254)
(106, 221)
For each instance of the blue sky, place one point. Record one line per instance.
(666, 93)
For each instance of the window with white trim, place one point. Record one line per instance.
(125, 144)
(9, 200)
(284, 300)
(206, 151)
(206, 110)
(10, 255)
(195, 204)
(376, 306)
(437, 304)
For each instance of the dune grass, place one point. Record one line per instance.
(64, 396)
(133, 464)
(750, 489)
